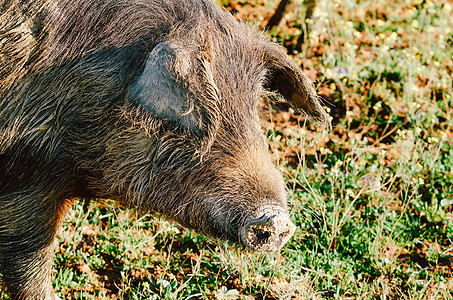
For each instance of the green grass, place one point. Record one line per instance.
(372, 199)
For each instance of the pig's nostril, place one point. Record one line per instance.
(261, 236)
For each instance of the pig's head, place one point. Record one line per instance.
(195, 140)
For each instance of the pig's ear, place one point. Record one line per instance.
(162, 90)
(287, 79)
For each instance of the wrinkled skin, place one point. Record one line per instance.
(151, 103)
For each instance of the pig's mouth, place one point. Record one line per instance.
(269, 232)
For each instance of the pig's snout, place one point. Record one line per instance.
(269, 232)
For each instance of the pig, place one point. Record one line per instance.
(151, 103)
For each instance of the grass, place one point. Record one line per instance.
(372, 199)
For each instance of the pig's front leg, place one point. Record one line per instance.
(27, 229)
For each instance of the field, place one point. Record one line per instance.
(372, 198)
